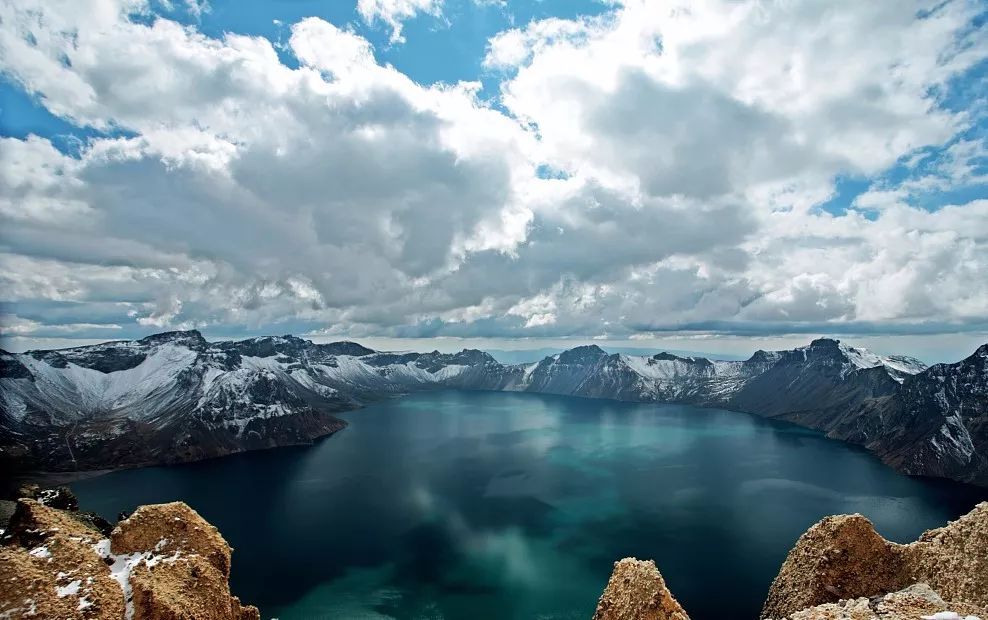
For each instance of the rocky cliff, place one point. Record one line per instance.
(163, 562)
(842, 569)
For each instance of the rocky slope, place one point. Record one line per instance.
(842, 569)
(163, 562)
(176, 397)
(937, 424)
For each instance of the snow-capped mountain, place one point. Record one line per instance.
(937, 424)
(176, 397)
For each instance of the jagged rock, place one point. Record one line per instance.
(843, 557)
(636, 591)
(164, 563)
(912, 603)
(170, 528)
(50, 568)
(61, 498)
(954, 559)
(842, 569)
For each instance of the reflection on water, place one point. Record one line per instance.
(493, 505)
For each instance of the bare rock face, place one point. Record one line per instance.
(50, 567)
(954, 559)
(636, 591)
(842, 569)
(915, 602)
(843, 557)
(171, 528)
(165, 562)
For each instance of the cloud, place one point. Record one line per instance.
(395, 12)
(659, 167)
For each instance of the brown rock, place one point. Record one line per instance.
(187, 575)
(168, 528)
(636, 591)
(843, 557)
(912, 603)
(954, 559)
(50, 567)
(185, 587)
(174, 564)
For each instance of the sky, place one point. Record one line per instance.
(708, 175)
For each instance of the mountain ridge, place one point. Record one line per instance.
(175, 396)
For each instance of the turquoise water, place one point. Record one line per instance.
(493, 505)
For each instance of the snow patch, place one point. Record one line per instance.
(124, 564)
(40, 552)
(72, 589)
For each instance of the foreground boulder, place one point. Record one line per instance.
(842, 569)
(636, 591)
(954, 559)
(916, 602)
(51, 567)
(164, 562)
(843, 557)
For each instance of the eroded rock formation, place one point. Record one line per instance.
(163, 562)
(636, 591)
(916, 602)
(843, 557)
(842, 569)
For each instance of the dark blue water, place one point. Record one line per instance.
(492, 505)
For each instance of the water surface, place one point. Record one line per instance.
(497, 505)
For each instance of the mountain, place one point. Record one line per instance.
(529, 356)
(176, 397)
(937, 424)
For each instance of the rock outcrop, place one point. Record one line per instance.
(842, 569)
(636, 591)
(916, 602)
(843, 557)
(163, 562)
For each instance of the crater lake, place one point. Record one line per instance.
(482, 505)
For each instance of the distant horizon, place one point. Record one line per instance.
(931, 349)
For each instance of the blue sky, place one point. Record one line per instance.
(449, 48)
(714, 176)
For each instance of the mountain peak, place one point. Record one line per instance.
(588, 352)
(191, 336)
(346, 347)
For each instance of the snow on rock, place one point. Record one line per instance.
(165, 561)
(70, 589)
